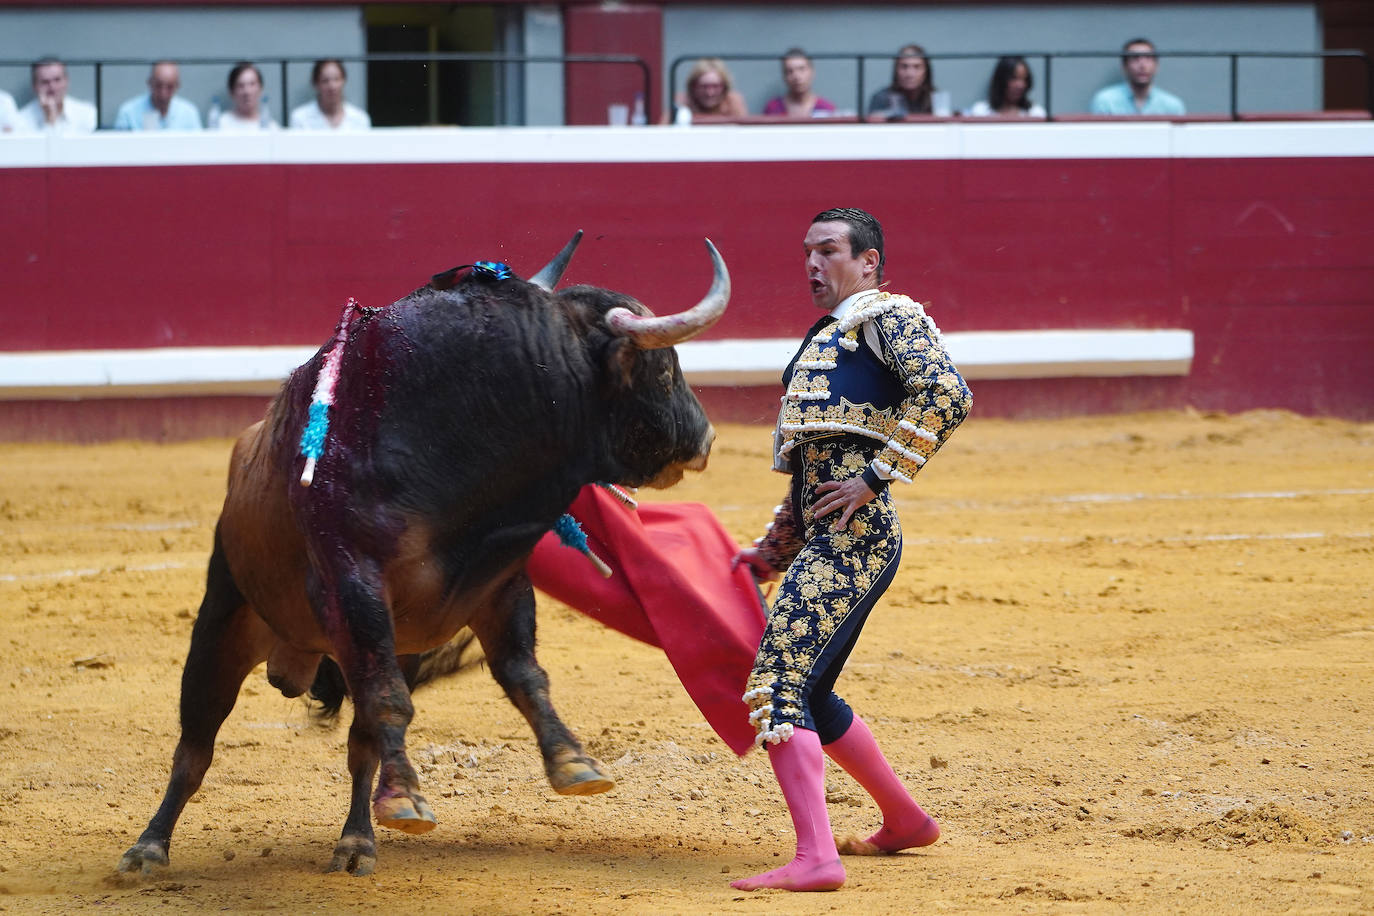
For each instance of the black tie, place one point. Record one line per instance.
(825, 321)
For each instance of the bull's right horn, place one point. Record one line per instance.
(656, 332)
(548, 278)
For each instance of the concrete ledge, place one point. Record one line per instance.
(1130, 137)
(188, 371)
(157, 372)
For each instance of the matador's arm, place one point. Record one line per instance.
(937, 399)
(783, 539)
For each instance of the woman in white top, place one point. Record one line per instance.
(1008, 92)
(247, 114)
(9, 113)
(329, 111)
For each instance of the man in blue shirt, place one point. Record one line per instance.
(159, 108)
(1137, 95)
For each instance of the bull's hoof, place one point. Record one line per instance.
(406, 813)
(355, 855)
(579, 776)
(143, 857)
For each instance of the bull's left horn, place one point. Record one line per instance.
(548, 278)
(656, 332)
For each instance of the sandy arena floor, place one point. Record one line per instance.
(1127, 665)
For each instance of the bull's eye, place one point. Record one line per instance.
(665, 379)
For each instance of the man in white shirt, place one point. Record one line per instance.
(52, 110)
(1137, 94)
(160, 108)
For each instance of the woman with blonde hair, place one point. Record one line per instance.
(710, 92)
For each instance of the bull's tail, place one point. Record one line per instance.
(327, 693)
(329, 689)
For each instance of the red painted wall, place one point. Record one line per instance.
(1269, 261)
(629, 28)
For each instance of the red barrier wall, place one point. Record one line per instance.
(1270, 261)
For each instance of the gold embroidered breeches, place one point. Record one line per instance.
(825, 596)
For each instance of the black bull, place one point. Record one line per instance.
(467, 416)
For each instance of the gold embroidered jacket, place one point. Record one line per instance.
(835, 387)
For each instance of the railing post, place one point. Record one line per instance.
(98, 94)
(859, 102)
(285, 105)
(1235, 87)
(671, 90)
(644, 73)
(1368, 83)
(1049, 86)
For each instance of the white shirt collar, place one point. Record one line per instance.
(838, 311)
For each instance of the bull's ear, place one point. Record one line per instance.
(621, 356)
(449, 278)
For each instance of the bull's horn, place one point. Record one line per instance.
(652, 333)
(548, 278)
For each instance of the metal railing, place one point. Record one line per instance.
(284, 64)
(860, 60)
(1047, 58)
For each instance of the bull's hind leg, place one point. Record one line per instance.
(506, 631)
(228, 640)
(348, 603)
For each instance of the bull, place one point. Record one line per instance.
(465, 418)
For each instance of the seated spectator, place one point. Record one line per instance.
(9, 113)
(159, 108)
(1137, 95)
(800, 101)
(1008, 92)
(247, 114)
(710, 91)
(913, 81)
(52, 110)
(330, 110)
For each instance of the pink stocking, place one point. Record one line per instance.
(800, 768)
(905, 824)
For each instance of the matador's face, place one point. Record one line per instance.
(833, 270)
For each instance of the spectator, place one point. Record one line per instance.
(913, 81)
(1008, 92)
(1137, 95)
(330, 110)
(247, 114)
(710, 92)
(159, 108)
(800, 101)
(52, 110)
(8, 112)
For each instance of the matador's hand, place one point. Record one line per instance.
(753, 558)
(842, 494)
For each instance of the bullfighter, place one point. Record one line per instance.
(870, 396)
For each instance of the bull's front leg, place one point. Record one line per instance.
(227, 642)
(347, 597)
(506, 632)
